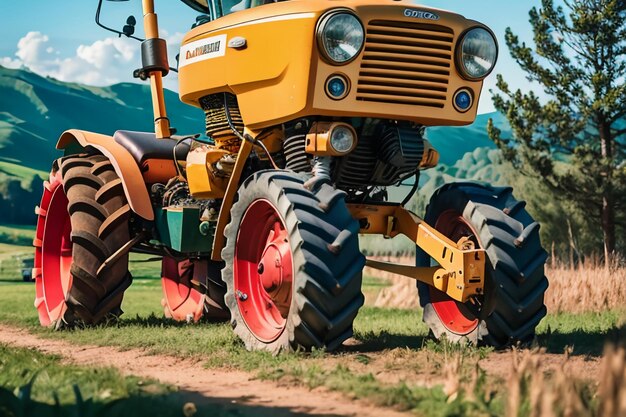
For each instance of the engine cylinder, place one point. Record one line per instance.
(386, 153)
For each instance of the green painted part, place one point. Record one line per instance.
(179, 229)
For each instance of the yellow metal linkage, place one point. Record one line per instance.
(461, 269)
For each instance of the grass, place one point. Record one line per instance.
(384, 365)
(393, 341)
(20, 235)
(12, 259)
(32, 383)
(597, 288)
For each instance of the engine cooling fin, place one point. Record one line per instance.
(217, 126)
(384, 156)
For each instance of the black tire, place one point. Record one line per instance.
(327, 264)
(99, 215)
(515, 283)
(215, 308)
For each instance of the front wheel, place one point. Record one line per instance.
(293, 266)
(513, 304)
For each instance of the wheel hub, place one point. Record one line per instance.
(263, 271)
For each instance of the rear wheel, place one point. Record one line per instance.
(193, 289)
(514, 283)
(82, 220)
(293, 266)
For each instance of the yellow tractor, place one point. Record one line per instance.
(313, 108)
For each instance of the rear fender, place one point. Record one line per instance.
(123, 162)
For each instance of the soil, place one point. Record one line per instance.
(240, 390)
(204, 386)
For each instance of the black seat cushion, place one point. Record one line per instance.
(145, 145)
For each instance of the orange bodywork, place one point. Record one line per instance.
(279, 75)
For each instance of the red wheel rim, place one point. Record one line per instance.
(182, 302)
(53, 253)
(263, 271)
(455, 316)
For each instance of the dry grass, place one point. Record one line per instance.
(588, 287)
(533, 392)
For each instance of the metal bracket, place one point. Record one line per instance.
(461, 269)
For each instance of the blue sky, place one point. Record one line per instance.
(59, 37)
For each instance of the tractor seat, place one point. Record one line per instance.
(144, 145)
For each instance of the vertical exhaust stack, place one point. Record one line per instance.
(155, 66)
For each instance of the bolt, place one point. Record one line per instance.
(242, 296)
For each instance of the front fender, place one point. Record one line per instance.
(123, 162)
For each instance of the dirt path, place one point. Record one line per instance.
(204, 386)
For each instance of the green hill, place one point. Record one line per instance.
(34, 111)
(454, 142)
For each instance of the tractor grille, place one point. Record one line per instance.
(406, 63)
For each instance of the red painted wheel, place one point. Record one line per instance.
(53, 252)
(192, 289)
(454, 315)
(293, 268)
(263, 268)
(512, 302)
(82, 220)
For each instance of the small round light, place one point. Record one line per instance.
(337, 87)
(477, 53)
(340, 37)
(342, 139)
(463, 100)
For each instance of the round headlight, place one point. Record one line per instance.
(478, 52)
(342, 139)
(340, 37)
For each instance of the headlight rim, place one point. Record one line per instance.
(352, 132)
(321, 23)
(458, 56)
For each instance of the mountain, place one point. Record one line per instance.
(454, 142)
(35, 110)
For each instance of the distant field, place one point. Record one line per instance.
(20, 171)
(16, 250)
(20, 235)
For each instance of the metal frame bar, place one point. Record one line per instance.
(229, 197)
(461, 269)
(151, 28)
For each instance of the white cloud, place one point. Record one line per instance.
(101, 63)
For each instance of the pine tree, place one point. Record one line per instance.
(573, 136)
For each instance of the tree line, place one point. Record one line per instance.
(18, 200)
(571, 138)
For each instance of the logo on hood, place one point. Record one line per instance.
(421, 14)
